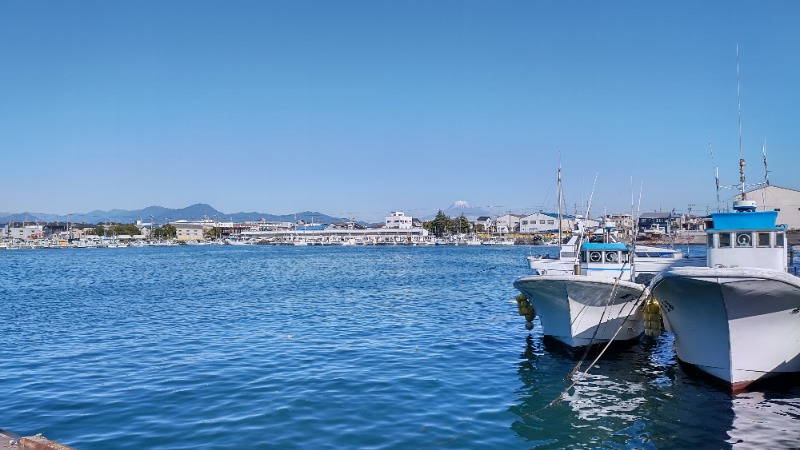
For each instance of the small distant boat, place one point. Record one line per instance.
(655, 230)
(473, 240)
(498, 241)
(738, 318)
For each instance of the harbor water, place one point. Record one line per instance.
(332, 347)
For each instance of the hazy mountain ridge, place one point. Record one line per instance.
(160, 214)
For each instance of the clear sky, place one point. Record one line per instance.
(358, 108)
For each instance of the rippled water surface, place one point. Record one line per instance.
(326, 347)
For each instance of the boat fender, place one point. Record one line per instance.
(524, 308)
(652, 318)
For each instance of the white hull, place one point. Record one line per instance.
(551, 266)
(736, 324)
(579, 311)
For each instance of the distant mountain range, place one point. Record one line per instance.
(159, 214)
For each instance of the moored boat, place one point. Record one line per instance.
(738, 318)
(594, 305)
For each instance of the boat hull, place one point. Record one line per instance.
(580, 311)
(738, 325)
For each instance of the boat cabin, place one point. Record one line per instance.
(609, 259)
(746, 238)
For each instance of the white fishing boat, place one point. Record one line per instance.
(738, 318)
(595, 304)
(646, 261)
(589, 294)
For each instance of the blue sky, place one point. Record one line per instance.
(358, 108)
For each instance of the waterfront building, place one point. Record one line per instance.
(509, 223)
(539, 223)
(625, 224)
(26, 232)
(655, 223)
(484, 221)
(185, 231)
(398, 220)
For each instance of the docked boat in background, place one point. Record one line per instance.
(738, 318)
(645, 263)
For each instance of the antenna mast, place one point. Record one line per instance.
(560, 215)
(716, 169)
(588, 209)
(739, 101)
(766, 172)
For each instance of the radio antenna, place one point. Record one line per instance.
(716, 169)
(766, 172)
(739, 101)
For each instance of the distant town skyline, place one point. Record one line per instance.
(356, 109)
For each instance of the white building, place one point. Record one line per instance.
(398, 220)
(624, 223)
(484, 221)
(27, 232)
(508, 223)
(539, 223)
(774, 198)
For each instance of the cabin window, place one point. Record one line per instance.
(744, 240)
(709, 241)
(724, 240)
(611, 257)
(779, 240)
(595, 257)
(763, 239)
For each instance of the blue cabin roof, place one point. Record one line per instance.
(607, 246)
(761, 220)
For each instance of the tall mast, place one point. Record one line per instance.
(716, 169)
(739, 101)
(559, 209)
(766, 172)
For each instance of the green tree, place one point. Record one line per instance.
(460, 224)
(165, 231)
(212, 233)
(169, 231)
(129, 229)
(439, 225)
(99, 230)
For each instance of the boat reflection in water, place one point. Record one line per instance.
(641, 398)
